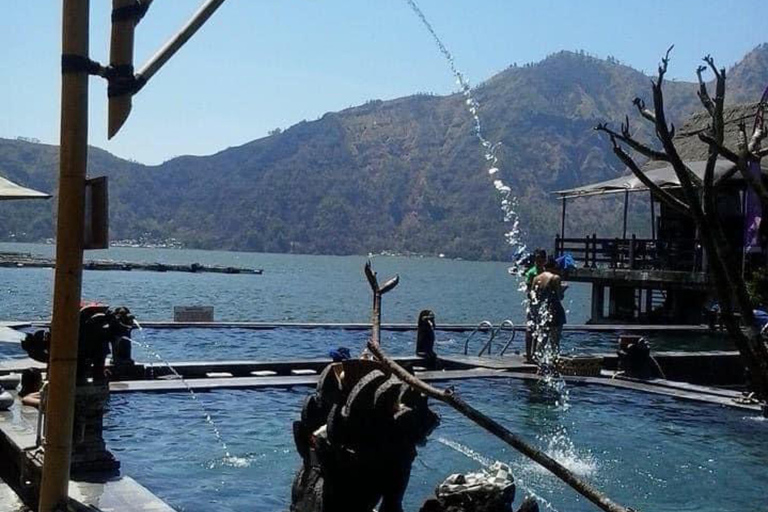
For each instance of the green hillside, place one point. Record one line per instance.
(405, 175)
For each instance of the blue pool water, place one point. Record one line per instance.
(649, 452)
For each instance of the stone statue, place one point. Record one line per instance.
(357, 438)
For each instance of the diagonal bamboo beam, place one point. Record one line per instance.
(448, 397)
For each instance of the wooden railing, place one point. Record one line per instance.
(632, 253)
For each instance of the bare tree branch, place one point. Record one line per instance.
(626, 138)
(703, 93)
(661, 194)
(741, 160)
(709, 60)
(753, 146)
(723, 266)
(646, 113)
(688, 180)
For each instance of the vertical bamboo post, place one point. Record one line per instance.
(69, 260)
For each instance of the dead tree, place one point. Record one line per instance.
(697, 200)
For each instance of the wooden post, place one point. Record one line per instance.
(586, 251)
(598, 301)
(626, 207)
(562, 221)
(653, 218)
(69, 259)
(594, 250)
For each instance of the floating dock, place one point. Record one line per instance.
(24, 260)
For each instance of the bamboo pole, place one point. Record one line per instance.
(122, 107)
(69, 260)
(171, 47)
(120, 54)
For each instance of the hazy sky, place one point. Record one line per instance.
(262, 64)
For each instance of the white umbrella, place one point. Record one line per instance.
(10, 190)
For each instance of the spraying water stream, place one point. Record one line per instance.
(559, 444)
(228, 459)
(490, 149)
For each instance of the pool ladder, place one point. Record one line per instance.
(486, 326)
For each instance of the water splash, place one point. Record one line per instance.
(228, 458)
(466, 451)
(561, 448)
(507, 199)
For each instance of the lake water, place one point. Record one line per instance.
(293, 288)
(649, 452)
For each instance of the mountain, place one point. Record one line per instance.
(405, 175)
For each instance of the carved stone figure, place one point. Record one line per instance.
(357, 438)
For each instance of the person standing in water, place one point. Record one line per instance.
(539, 259)
(548, 314)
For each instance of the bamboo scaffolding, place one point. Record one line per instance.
(123, 106)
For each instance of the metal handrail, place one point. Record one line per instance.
(511, 325)
(489, 344)
(484, 326)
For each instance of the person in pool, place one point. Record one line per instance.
(548, 314)
(539, 259)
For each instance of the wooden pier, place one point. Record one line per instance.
(25, 260)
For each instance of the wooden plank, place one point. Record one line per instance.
(176, 385)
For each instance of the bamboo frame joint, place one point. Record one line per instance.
(133, 12)
(72, 63)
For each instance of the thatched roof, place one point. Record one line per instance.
(692, 150)
(687, 142)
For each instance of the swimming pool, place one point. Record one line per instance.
(647, 452)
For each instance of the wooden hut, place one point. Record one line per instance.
(664, 278)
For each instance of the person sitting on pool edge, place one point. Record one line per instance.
(539, 258)
(31, 384)
(425, 335)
